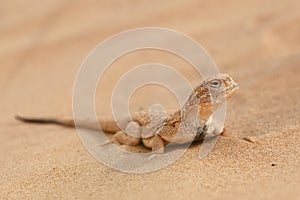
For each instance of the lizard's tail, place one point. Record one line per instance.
(68, 123)
(107, 124)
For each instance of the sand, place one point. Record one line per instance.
(43, 45)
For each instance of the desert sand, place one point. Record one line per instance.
(44, 44)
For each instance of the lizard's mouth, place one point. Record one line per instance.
(230, 90)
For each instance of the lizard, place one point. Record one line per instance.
(155, 130)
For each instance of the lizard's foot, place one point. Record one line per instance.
(122, 138)
(106, 143)
(158, 144)
(227, 134)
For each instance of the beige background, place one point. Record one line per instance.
(43, 45)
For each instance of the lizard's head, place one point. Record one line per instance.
(216, 90)
(210, 95)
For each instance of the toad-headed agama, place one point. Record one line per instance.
(156, 129)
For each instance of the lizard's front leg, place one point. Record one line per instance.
(217, 128)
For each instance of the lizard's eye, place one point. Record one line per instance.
(215, 83)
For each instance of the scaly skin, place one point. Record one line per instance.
(157, 129)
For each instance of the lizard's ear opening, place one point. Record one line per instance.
(198, 94)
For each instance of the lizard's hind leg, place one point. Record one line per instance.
(158, 144)
(122, 138)
(131, 136)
